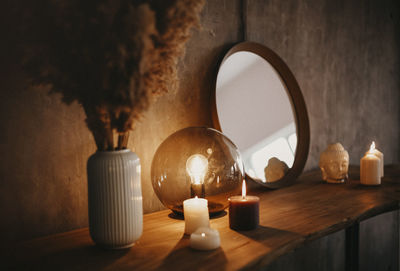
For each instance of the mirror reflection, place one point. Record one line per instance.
(255, 112)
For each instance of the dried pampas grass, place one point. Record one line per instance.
(113, 57)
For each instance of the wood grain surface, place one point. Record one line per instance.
(289, 217)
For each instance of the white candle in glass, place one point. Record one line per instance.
(205, 238)
(377, 153)
(196, 215)
(370, 169)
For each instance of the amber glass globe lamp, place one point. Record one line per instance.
(197, 161)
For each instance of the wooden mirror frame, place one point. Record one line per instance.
(296, 100)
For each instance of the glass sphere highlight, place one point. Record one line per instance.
(197, 161)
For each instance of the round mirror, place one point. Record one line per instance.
(259, 106)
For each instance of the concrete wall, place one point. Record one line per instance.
(345, 55)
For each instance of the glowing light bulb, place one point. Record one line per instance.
(196, 167)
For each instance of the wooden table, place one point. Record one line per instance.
(289, 218)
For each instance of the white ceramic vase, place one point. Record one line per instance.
(115, 198)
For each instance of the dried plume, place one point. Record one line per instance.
(112, 56)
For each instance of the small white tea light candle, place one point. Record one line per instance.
(196, 215)
(370, 169)
(377, 153)
(205, 238)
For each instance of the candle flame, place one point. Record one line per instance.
(372, 147)
(244, 189)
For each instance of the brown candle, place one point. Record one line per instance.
(244, 211)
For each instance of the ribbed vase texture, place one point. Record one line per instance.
(115, 198)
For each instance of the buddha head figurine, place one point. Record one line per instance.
(275, 170)
(334, 163)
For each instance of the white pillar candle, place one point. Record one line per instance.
(196, 215)
(370, 173)
(377, 153)
(205, 238)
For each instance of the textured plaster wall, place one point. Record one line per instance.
(345, 55)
